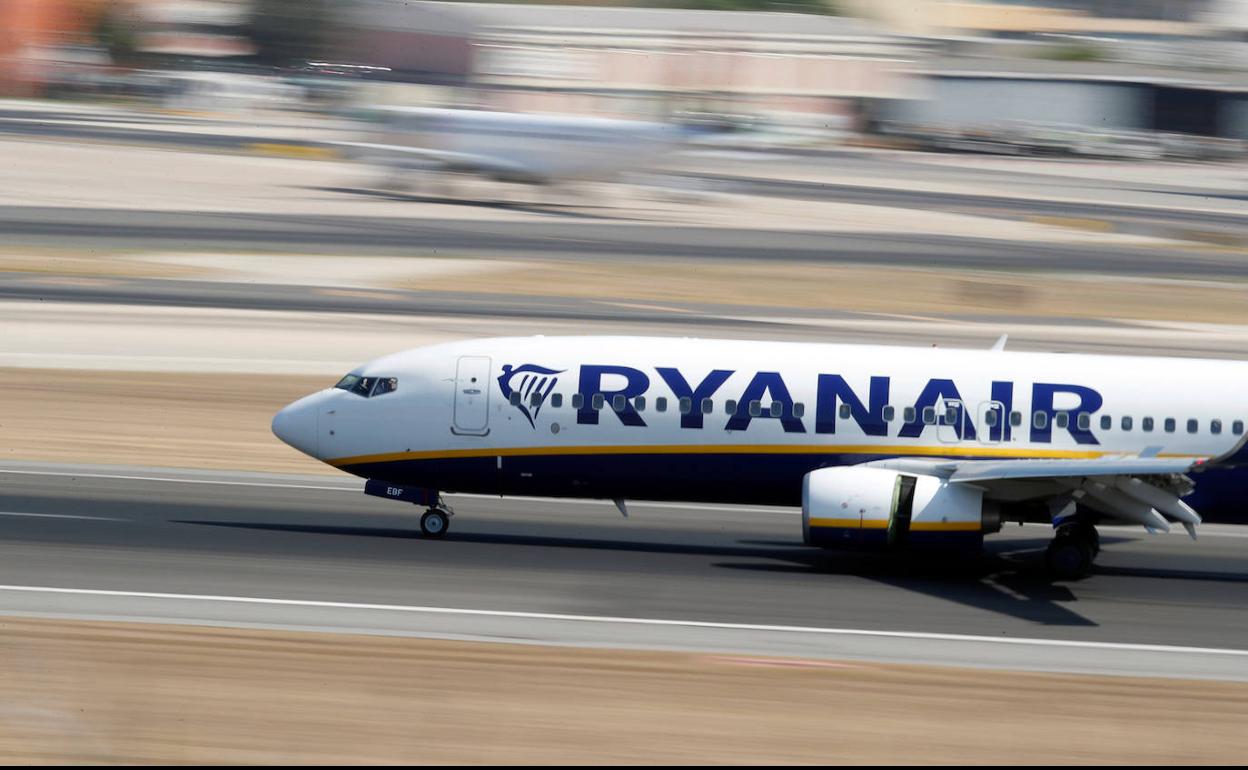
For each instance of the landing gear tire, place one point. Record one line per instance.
(1070, 555)
(434, 523)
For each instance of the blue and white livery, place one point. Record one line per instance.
(883, 447)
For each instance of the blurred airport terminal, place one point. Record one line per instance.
(1104, 78)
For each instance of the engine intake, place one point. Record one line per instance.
(864, 507)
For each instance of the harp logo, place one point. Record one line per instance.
(526, 387)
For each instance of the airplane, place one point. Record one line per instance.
(884, 448)
(514, 147)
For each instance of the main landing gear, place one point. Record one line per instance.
(436, 521)
(1074, 548)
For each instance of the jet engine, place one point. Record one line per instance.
(877, 508)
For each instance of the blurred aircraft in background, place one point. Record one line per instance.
(512, 147)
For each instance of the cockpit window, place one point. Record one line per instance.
(385, 385)
(367, 386)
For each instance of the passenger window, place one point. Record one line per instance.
(1192, 426)
(799, 410)
(618, 402)
(1084, 421)
(660, 404)
(639, 403)
(990, 418)
(1169, 423)
(908, 414)
(686, 405)
(578, 401)
(1039, 420)
(889, 413)
(1061, 420)
(845, 411)
(385, 385)
(1146, 424)
(1237, 427)
(556, 400)
(1215, 427)
(929, 415)
(514, 398)
(1016, 419)
(730, 407)
(1126, 423)
(777, 409)
(756, 409)
(708, 406)
(535, 399)
(597, 401)
(1107, 422)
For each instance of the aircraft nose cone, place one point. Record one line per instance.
(296, 425)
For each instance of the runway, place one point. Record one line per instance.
(312, 552)
(561, 236)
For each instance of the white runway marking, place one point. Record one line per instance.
(920, 635)
(59, 516)
(1205, 530)
(357, 488)
(176, 480)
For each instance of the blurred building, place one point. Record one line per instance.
(195, 28)
(988, 93)
(635, 61)
(1160, 66)
(1012, 18)
(43, 42)
(38, 35)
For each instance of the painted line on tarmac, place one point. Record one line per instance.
(175, 480)
(358, 489)
(1206, 530)
(59, 516)
(843, 632)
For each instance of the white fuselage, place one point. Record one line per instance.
(520, 147)
(742, 420)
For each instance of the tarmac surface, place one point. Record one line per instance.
(71, 227)
(239, 549)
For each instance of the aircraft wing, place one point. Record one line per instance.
(1139, 490)
(980, 471)
(998, 470)
(444, 160)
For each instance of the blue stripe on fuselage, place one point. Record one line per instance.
(753, 479)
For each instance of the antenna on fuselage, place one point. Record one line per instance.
(999, 345)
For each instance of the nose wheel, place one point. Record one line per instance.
(435, 522)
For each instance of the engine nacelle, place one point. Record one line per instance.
(863, 507)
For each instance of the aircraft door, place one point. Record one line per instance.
(472, 396)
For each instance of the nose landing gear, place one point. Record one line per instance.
(435, 521)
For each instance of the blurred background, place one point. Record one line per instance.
(209, 208)
(1131, 79)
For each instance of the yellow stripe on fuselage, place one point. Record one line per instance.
(712, 449)
(917, 526)
(850, 523)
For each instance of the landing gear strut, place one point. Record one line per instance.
(1074, 548)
